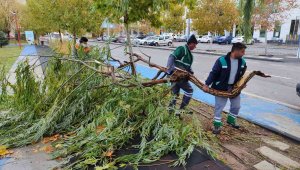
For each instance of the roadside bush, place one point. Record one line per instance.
(3, 39)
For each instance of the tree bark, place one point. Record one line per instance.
(60, 37)
(74, 44)
(133, 70)
(266, 45)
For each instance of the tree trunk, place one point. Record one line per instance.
(60, 37)
(73, 46)
(8, 36)
(133, 71)
(266, 45)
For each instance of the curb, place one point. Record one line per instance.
(273, 59)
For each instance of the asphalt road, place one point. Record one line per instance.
(256, 49)
(281, 88)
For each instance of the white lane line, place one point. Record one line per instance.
(272, 100)
(287, 78)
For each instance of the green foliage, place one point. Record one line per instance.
(173, 18)
(104, 117)
(214, 16)
(3, 39)
(136, 10)
(3, 85)
(26, 91)
(247, 7)
(77, 17)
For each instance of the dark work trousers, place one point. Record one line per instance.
(188, 93)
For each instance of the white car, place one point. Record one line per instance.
(160, 40)
(241, 39)
(205, 39)
(144, 41)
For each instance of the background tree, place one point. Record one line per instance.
(131, 11)
(6, 14)
(249, 9)
(173, 20)
(77, 17)
(269, 13)
(3, 39)
(214, 15)
(37, 17)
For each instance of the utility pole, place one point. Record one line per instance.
(298, 20)
(188, 23)
(298, 54)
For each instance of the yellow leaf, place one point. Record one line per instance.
(109, 153)
(4, 151)
(58, 146)
(48, 149)
(123, 165)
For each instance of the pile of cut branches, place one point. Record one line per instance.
(104, 109)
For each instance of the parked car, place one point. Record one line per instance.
(120, 39)
(106, 38)
(225, 40)
(160, 40)
(175, 37)
(182, 38)
(137, 40)
(144, 40)
(215, 39)
(205, 39)
(298, 89)
(241, 39)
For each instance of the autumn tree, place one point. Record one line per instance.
(173, 20)
(270, 13)
(214, 15)
(7, 19)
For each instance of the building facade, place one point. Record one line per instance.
(287, 32)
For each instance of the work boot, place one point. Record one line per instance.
(232, 122)
(178, 114)
(188, 111)
(171, 110)
(217, 127)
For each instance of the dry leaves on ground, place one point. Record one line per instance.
(99, 129)
(51, 139)
(48, 149)
(4, 151)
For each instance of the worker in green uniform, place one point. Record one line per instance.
(182, 58)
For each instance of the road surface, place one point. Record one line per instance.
(281, 88)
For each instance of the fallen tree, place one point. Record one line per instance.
(98, 109)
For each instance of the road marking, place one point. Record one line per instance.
(272, 100)
(281, 77)
(292, 57)
(254, 95)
